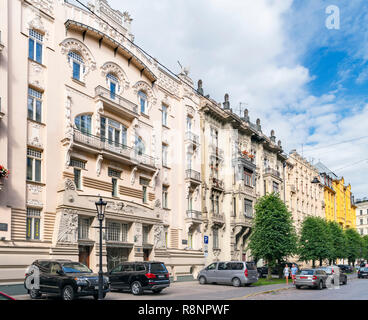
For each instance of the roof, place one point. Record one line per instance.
(323, 169)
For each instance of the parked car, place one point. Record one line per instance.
(315, 278)
(4, 296)
(346, 268)
(66, 278)
(275, 271)
(363, 273)
(140, 276)
(237, 273)
(331, 270)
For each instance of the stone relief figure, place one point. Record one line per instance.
(98, 164)
(68, 153)
(159, 236)
(132, 175)
(70, 185)
(154, 178)
(68, 229)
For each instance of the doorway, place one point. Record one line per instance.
(146, 254)
(84, 253)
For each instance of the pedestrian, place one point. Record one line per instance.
(294, 270)
(286, 273)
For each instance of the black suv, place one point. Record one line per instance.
(263, 271)
(139, 276)
(65, 278)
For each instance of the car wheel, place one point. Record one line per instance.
(298, 287)
(136, 288)
(35, 294)
(236, 282)
(157, 291)
(320, 285)
(95, 296)
(202, 280)
(67, 293)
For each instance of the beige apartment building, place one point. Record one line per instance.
(362, 216)
(85, 113)
(303, 197)
(239, 165)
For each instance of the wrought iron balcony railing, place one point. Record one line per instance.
(190, 136)
(112, 146)
(119, 100)
(218, 183)
(272, 171)
(193, 175)
(194, 214)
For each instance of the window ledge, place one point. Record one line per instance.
(166, 209)
(79, 82)
(37, 122)
(166, 167)
(36, 183)
(40, 64)
(145, 115)
(165, 126)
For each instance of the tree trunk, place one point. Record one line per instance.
(313, 264)
(269, 275)
(320, 262)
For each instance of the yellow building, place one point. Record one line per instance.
(338, 198)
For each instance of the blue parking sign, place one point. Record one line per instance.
(205, 239)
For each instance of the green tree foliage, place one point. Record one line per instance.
(354, 245)
(273, 237)
(337, 242)
(365, 247)
(315, 240)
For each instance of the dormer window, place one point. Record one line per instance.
(77, 63)
(143, 101)
(35, 43)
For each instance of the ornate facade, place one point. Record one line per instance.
(88, 115)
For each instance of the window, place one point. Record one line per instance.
(212, 266)
(234, 206)
(117, 133)
(35, 42)
(113, 173)
(33, 224)
(164, 155)
(190, 201)
(361, 221)
(77, 63)
(248, 208)
(83, 228)
(113, 83)
(215, 239)
(190, 240)
(83, 123)
(265, 186)
(248, 177)
(139, 146)
(144, 189)
(361, 212)
(140, 267)
(217, 204)
(78, 163)
(164, 115)
(77, 178)
(275, 187)
(33, 165)
(145, 230)
(142, 101)
(165, 195)
(114, 191)
(34, 105)
(117, 232)
(189, 124)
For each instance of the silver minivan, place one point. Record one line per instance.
(237, 273)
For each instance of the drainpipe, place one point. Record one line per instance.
(284, 166)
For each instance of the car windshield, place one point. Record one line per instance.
(75, 267)
(158, 267)
(364, 269)
(306, 272)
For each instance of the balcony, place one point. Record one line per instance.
(107, 147)
(217, 218)
(192, 138)
(193, 215)
(217, 183)
(117, 103)
(216, 152)
(292, 188)
(193, 176)
(272, 172)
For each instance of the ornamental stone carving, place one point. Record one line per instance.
(117, 71)
(144, 86)
(75, 45)
(68, 228)
(99, 164)
(34, 189)
(159, 236)
(70, 185)
(44, 5)
(35, 203)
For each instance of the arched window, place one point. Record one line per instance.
(83, 123)
(143, 101)
(77, 63)
(113, 84)
(139, 145)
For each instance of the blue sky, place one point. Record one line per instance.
(305, 81)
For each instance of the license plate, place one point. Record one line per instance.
(161, 276)
(303, 278)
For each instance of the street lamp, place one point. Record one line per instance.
(100, 206)
(315, 180)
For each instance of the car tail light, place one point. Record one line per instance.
(167, 275)
(314, 278)
(150, 276)
(246, 273)
(332, 270)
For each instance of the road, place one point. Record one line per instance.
(356, 289)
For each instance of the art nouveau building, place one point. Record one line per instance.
(85, 113)
(362, 216)
(239, 164)
(303, 197)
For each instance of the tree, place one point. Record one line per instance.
(337, 242)
(353, 245)
(365, 247)
(315, 240)
(273, 237)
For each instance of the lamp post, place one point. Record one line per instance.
(100, 206)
